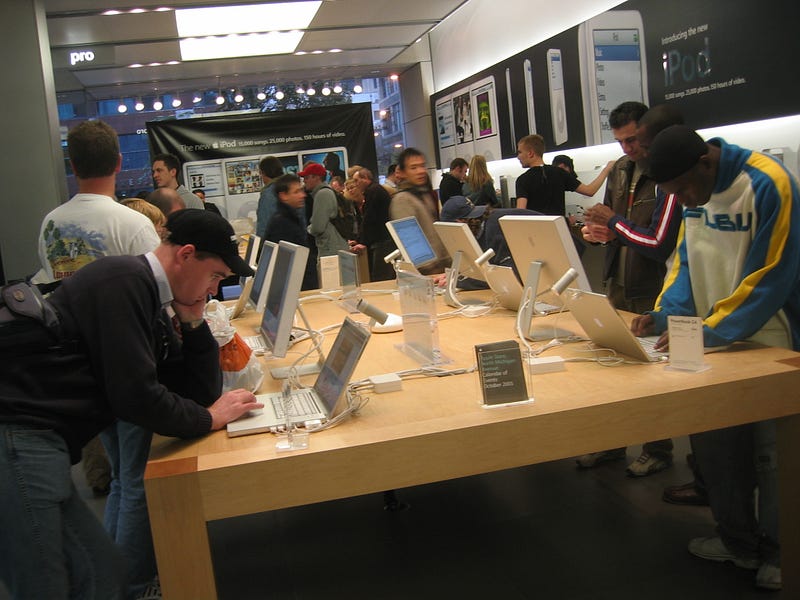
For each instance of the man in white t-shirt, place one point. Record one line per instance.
(92, 224)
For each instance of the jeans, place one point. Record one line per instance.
(734, 461)
(51, 544)
(126, 518)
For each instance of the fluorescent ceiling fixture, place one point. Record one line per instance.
(222, 20)
(231, 46)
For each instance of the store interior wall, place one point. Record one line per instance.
(478, 35)
(32, 169)
(481, 33)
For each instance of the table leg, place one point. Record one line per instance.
(789, 491)
(180, 537)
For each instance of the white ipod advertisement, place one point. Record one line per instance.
(613, 68)
(527, 71)
(558, 106)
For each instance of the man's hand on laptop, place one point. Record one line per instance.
(643, 325)
(230, 406)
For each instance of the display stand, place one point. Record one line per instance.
(527, 310)
(503, 379)
(450, 290)
(420, 321)
(686, 351)
(306, 369)
(291, 439)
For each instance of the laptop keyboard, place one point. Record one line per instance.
(545, 308)
(648, 344)
(303, 403)
(256, 342)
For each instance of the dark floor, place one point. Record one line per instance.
(543, 532)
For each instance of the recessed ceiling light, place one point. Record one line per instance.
(317, 52)
(109, 13)
(334, 50)
(279, 95)
(394, 77)
(135, 11)
(162, 9)
(357, 88)
(176, 102)
(135, 66)
(300, 53)
(173, 62)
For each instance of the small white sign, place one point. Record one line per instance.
(686, 344)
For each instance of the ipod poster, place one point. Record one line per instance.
(719, 62)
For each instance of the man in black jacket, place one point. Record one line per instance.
(453, 181)
(285, 223)
(142, 353)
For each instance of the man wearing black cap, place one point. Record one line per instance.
(738, 267)
(138, 350)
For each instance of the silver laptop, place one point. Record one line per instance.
(319, 403)
(606, 328)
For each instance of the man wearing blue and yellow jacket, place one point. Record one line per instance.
(737, 267)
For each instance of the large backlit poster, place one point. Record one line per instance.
(718, 61)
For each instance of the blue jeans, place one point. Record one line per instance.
(51, 545)
(126, 518)
(734, 461)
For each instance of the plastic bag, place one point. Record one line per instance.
(240, 367)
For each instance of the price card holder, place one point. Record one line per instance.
(502, 377)
(686, 344)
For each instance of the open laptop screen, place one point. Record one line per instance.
(411, 241)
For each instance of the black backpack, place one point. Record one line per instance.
(347, 220)
(28, 323)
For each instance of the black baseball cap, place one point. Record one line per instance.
(673, 152)
(207, 232)
(459, 207)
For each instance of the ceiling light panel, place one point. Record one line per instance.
(222, 20)
(230, 46)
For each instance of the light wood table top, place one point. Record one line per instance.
(436, 429)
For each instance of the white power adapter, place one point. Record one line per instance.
(388, 382)
(546, 364)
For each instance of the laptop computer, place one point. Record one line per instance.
(319, 403)
(606, 328)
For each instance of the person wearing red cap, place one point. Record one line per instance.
(325, 208)
(134, 346)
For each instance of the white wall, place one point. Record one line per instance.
(484, 32)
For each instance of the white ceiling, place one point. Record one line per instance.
(372, 34)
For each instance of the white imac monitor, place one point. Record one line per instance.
(282, 295)
(349, 281)
(411, 241)
(258, 291)
(542, 248)
(457, 237)
(547, 240)
(253, 246)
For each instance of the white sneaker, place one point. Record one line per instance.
(713, 548)
(769, 577)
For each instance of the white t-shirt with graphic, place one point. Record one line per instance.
(89, 227)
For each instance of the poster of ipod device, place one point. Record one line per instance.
(613, 68)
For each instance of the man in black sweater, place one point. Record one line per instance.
(139, 350)
(453, 181)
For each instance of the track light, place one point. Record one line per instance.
(310, 91)
(279, 95)
(157, 104)
(337, 89)
(139, 106)
(261, 95)
(220, 99)
(357, 88)
(197, 98)
(326, 90)
(238, 98)
(176, 102)
(300, 89)
(122, 108)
